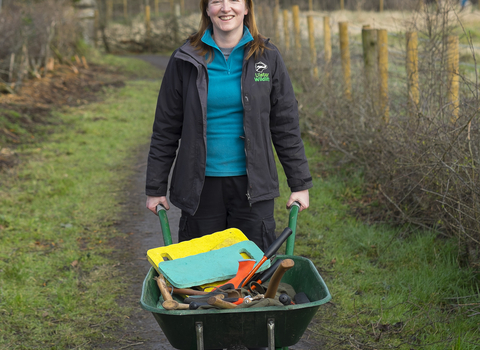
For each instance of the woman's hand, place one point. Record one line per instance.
(301, 197)
(152, 203)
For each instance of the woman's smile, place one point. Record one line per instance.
(227, 18)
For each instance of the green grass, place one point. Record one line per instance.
(389, 289)
(134, 68)
(58, 277)
(58, 280)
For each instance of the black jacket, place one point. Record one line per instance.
(270, 115)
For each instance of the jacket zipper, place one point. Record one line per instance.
(245, 132)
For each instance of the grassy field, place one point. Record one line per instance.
(57, 271)
(389, 289)
(57, 274)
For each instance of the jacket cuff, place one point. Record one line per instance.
(300, 184)
(156, 191)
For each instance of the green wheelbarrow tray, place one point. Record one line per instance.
(275, 327)
(250, 327)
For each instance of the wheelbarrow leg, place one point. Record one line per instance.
(199, 332)
(271, 335)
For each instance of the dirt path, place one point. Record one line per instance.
(142, 231)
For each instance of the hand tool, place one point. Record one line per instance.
(285, 299)
(195, 304)
(285, 265)
(168, 303)
(265, 275)
(204, 298)
(174, 305)
(244, 267)
(220, 303)
(191, 292)
(269, 253)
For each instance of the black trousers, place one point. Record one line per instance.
(223, 205)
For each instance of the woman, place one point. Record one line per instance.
(227, 96)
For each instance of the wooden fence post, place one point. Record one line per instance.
(381, 6)
(147, 27)
(310, 5)
(342, 4)
(453, 76)
(276, 15)
(412, 71)
(12, 64)
(172, 6)
(157, 8)
(109, 10)
(327, 45)
(345, 56)
(382, 38)
(182, 7)
(313, 51)
(369, 51)
(96, 27)
(125, 10)
(296, 27)
(286, 30)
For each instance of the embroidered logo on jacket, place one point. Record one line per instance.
(259, 75)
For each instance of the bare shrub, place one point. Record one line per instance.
(424, 163)
(30, 31)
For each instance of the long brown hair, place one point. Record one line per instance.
(256, 47)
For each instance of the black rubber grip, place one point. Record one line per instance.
(285, 299)
(301, 298)
(265, 275)
(278, 242)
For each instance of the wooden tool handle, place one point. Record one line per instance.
(286, 265)
(186, 291)
(220, 303)
(163, 288)
(174, 305)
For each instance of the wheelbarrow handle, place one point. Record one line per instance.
(162, 215)
(292, 223)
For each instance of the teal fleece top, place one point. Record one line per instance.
(225, 134)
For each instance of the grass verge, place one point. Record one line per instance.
(58, 280)
(390, 290)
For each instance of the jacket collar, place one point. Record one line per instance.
(192, 53)
(208, 38)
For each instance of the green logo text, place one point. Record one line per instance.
(262, 77)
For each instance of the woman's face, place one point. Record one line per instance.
(227, 15)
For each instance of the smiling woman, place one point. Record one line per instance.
(227, 95)
(227, 20)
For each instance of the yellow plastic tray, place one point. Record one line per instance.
(195, 246)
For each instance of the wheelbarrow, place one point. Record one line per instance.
(276, 327)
